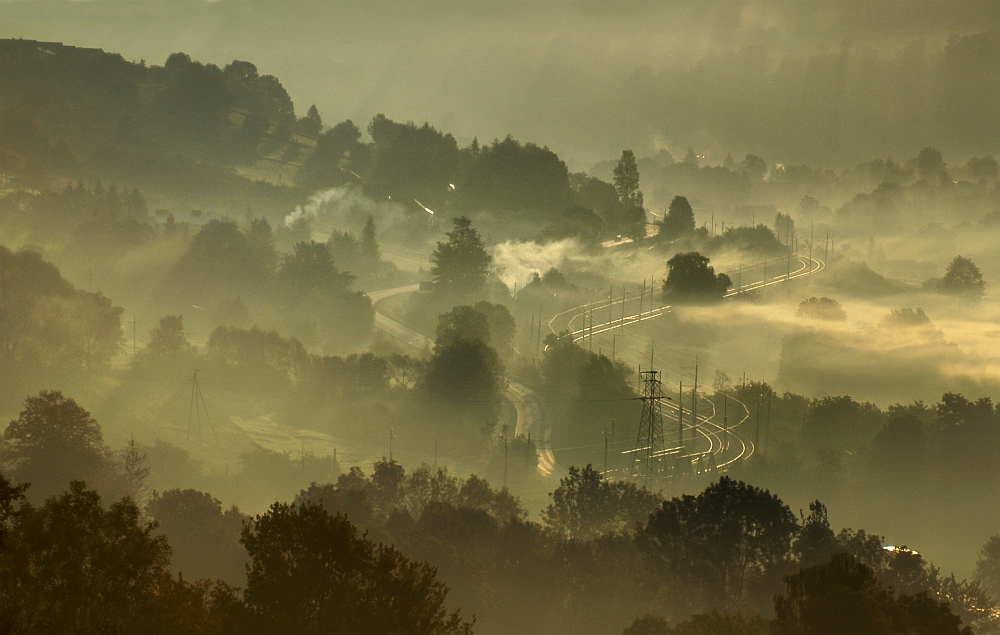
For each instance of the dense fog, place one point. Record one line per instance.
(634, 318)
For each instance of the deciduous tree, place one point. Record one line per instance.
(311, 573)
(52, 442)
(691, 279)
(585, 505)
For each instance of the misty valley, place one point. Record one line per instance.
(709, 349)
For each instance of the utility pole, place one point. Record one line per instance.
(680, 415)
(694, 395)
(531, 330)
(505, 455)
(435, 456)
(623, 310)
(591, 329)
(756, 436)
(134, 323)
(788, 240)
(611, 304)
(767, 430)
(812, 234)
(390, 445)
(725, 428)
(614, 338)
(641, 293)
(196, 407)
(605, 451)
(538, 342)
(613, 439)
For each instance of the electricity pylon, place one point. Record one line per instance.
(197, 406)
(649, 449)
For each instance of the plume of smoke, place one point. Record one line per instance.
(343, 207)
(317, 202)
(517, 262)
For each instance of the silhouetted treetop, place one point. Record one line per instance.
(461, 265)
(311, 572)
(691, 279)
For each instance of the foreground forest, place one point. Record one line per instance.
(715, 562)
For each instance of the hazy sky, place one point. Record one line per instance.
(585, 78)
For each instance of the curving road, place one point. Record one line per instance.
(533, 419)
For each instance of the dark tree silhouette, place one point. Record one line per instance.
(712, 623)
(467, 378)
(988, 566)
(691, 279)
(309, 268)
(338, 150)
(312, 124)
(10, 494)
(371, 253)
(724, 544)
(844, 596)
(753, 167)
(409, 161)
(204, 538)
(52, 442)
(169, 338)
(75, 566)
(485, 321)
(585, 505)
(821, 309)
(311, 573)
(816, 542)
(679, 219)
(963, 277)
(462, 323)
(514, 177)
(47, 324)
(626, 180)
(462, 264)
(930, 163)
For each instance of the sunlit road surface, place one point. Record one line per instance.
(532, 416)
(651, 230)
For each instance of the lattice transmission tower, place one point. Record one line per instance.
(649, 449)
(197, 407)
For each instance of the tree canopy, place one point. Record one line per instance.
(679, 219)
(53, 441)
(461, 265)
(585, 505)
(691, 279)
(311, 573)
(963, 278)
